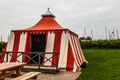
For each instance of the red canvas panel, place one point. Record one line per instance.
(27, 48)
(45, 48)
(15, 47)
(56, 46)
(70, 59)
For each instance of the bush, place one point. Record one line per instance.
(2, 45)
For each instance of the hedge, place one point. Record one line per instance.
(101, 44)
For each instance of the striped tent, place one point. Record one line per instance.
(53, 38)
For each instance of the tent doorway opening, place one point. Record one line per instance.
(38, 43)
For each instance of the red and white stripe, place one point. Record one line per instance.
(80, 51)
(70, 57)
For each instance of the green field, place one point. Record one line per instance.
(104, 64)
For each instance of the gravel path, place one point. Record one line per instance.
(59, 76)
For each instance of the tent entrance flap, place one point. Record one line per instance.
(38, 43)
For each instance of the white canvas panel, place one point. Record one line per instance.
(22, 45)
(10, 45)
(49, 47)
(75, 68)
(63, 50)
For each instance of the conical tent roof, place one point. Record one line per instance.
(46, 23)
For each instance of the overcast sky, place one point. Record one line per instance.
(76, 15)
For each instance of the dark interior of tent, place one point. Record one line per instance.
(38, 43)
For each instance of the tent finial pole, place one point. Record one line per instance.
(48, 8)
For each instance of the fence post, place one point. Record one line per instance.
(57, 54)
(7, 56)
(39, 60)
(22, 56)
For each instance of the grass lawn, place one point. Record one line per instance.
(104, 64)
